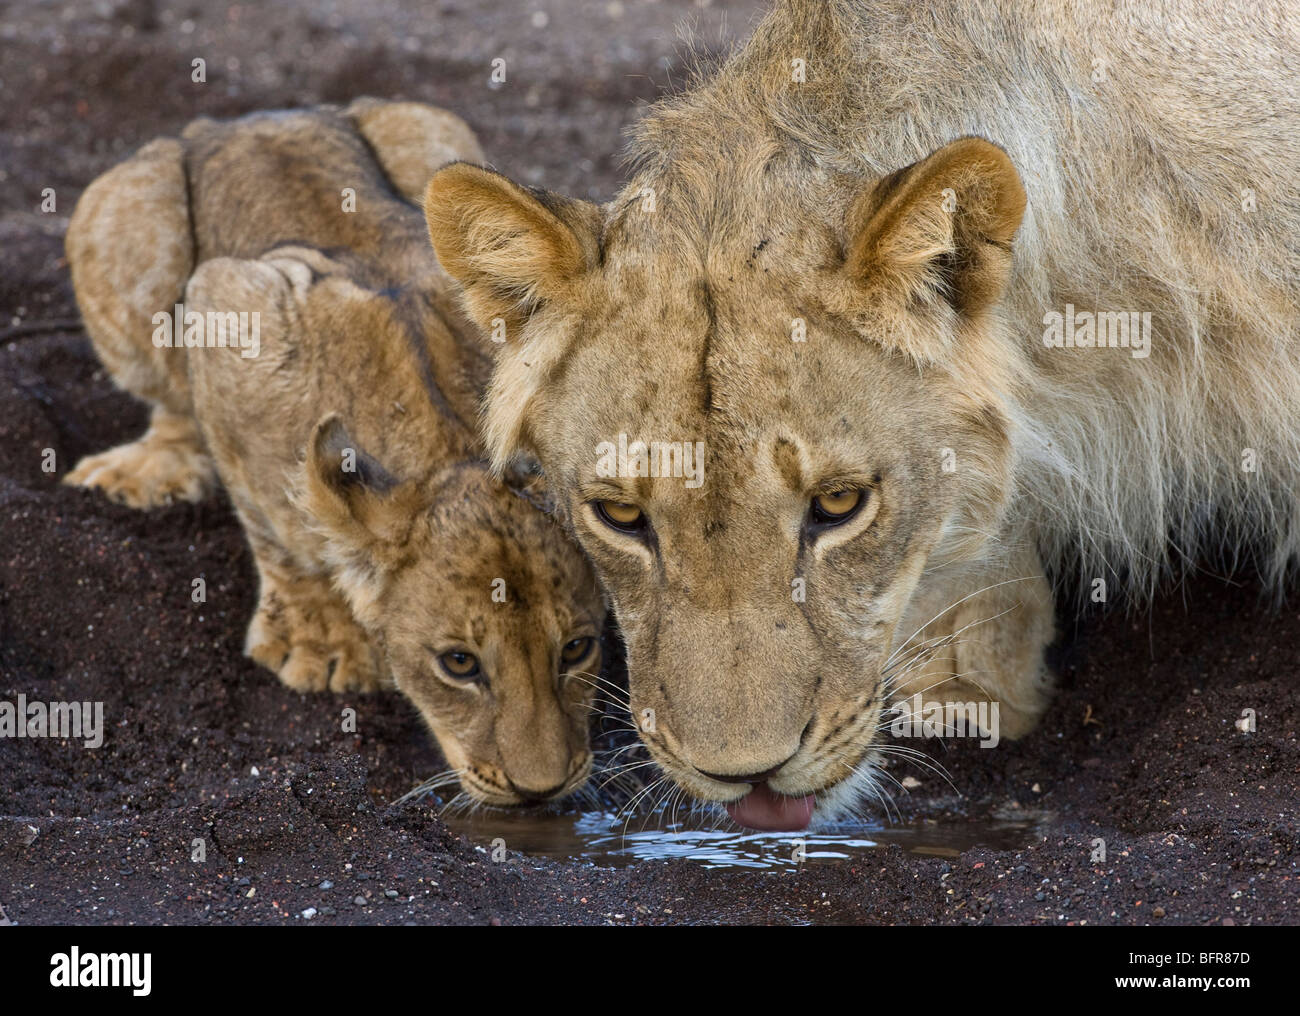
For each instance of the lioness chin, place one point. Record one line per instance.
(858, 308)
(336, 400)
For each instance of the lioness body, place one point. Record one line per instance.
(817, 271)
(344, 432)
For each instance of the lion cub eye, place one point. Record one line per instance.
(626, 518)
(576, 650)
(461, 666)
(832, 509)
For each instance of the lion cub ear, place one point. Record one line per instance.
(939, 231)
(511, 248)
(363, 510)
(523, 474)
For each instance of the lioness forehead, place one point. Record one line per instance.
(768, 382)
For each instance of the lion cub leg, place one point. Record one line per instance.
(305, 632)
(413, 140)
(130, 253)
(167, 464)
(250, 411)
(982, 637)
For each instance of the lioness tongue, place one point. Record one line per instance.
(767, 811)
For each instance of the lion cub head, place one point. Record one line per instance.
(827, 343)
(488, 616)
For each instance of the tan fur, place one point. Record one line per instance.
(347, 444)
(949, 172)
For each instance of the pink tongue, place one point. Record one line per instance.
(767, 811)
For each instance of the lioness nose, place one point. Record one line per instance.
(750, 778)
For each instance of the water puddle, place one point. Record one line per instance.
(608, 840)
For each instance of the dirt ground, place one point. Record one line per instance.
(1140, 749)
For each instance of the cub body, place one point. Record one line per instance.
(332, 385)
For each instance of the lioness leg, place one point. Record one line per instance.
(130, 253)
(305, 632)
(982, 636)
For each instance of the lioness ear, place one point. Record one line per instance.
(940, 230)
(510, 248)
(361, 508)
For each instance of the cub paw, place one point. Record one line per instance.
(311, 641)
(146, 474)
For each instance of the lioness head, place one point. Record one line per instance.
(824, 339)
(488, 616)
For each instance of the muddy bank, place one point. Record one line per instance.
(1140, 749)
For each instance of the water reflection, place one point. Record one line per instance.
(610, 840)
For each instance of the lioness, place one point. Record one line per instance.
(338, 408)
(953, 293)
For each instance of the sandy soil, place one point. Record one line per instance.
(1140, 748)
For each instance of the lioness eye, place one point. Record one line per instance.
(461, 666)
(626, 518)
(832, 509)
(575, 650)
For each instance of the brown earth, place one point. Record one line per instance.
(1140, 748)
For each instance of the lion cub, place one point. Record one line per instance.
(268, 285)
